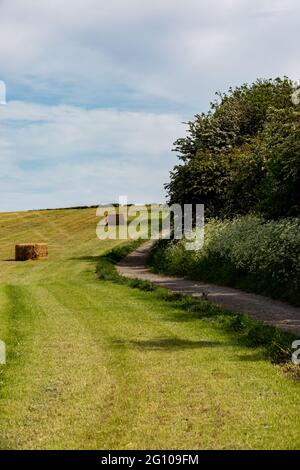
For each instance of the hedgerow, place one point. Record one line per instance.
(246, 252)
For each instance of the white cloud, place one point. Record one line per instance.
(111, 64)
(173, 50)
(66, 153)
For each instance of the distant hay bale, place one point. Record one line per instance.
(115, 219)
(26, 251)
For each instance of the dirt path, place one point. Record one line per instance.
(269, 311)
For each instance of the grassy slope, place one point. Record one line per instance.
(92, 364)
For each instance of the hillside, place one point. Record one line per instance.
(93, 364)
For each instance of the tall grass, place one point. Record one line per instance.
(247, 252)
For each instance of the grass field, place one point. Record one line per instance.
(93, 364)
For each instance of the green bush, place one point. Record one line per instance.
(242, 156)
(247, 252)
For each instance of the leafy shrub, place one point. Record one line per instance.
(243, 155)
(247, 252)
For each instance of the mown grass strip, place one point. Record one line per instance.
(246, 331)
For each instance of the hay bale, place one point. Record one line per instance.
(26, 251)
(115, 219)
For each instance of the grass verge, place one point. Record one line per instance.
(276, 343)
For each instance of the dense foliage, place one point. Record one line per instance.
(246, 252)
(243, 156)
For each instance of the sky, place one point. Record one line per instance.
(98, 91)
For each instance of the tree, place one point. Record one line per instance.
(226, 157)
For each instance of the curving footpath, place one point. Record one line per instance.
(269, 311)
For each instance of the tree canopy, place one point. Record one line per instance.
(243, 155)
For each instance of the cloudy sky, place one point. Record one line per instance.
(97, 90)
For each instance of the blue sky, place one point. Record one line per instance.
(97, 91)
